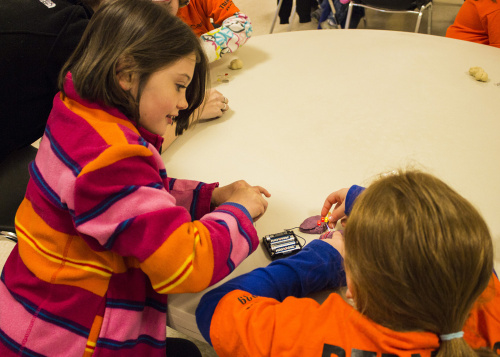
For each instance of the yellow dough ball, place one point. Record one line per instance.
(479, 74)
(236, 64)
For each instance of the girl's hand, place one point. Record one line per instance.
(242, 193)
(336, 198)
(336, 241)
(214, 105)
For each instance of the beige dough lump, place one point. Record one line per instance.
(479, 74)
(236, 64)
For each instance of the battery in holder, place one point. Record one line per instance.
(280, 245)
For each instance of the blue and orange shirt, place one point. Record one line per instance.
(266, 313)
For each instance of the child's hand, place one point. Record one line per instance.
(336, 241)
(214, 105)
(337, 198)
(242, 193)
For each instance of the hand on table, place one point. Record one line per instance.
(242, 193)
(336, 241)
(214, 105)
(336, 198)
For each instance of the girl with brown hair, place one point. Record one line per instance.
(418, 265)
(104, 234)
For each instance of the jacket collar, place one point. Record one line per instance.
(154, 139)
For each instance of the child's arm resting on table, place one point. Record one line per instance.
(123, 206)
(317, 267)
(233, 33)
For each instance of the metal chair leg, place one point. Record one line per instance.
(349, 14)
(4, 235)
(419, 19)
(421, 13)
(292, 17)
(276, 16)
(429, 20)
(334, 12)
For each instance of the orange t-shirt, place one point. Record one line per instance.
(197, 14)
(477, 21)
(247, 325)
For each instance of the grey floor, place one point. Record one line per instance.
(261, 12)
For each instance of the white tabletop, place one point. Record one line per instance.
(315, 111)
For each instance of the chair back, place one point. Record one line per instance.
(394, 4)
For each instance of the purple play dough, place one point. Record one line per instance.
(310, 225)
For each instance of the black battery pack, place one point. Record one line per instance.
(280, 245)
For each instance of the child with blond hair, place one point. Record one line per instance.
(417, 260)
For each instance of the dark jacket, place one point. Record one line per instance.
(35, 42)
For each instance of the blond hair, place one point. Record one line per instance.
(419, 255)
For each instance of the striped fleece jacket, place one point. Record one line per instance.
(104, 236)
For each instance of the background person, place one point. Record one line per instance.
(221, 26)
(477, 21)
(36, 38)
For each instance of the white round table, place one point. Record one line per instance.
(315, 111)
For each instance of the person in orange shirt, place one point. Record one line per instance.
(477, 21)
(417, 260)
(232, 28)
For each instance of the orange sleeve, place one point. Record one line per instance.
(197, 14)
(493, 21)
(191, 262)
(467, 25)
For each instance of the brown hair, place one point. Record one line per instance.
(418, 255)
(135, 36)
